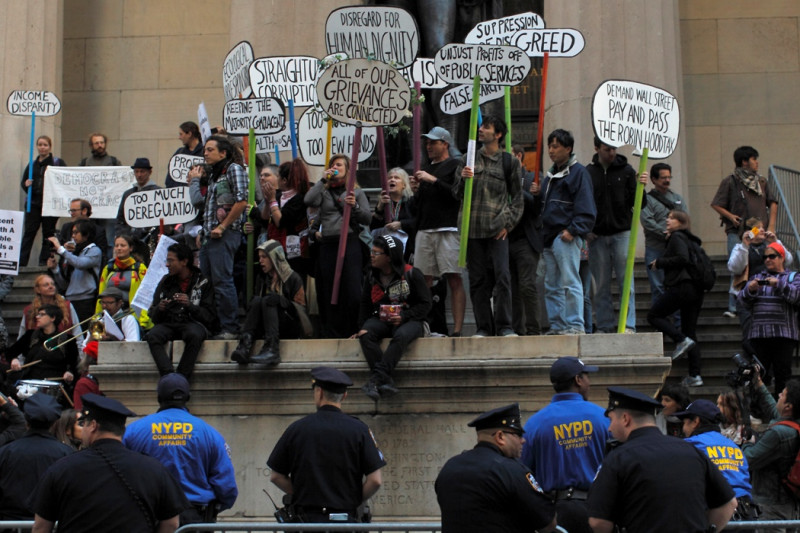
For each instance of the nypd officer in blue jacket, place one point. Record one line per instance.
(701, 427)
(193, 451)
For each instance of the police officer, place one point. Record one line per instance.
(193, 451)
(565, 443)
(23, 461)
(107, 487)
(486, 489)
(328, 461)
(653, 482)
(701, 427)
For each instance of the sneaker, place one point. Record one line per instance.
(572, 331)
(692, 381)
(481, 333)
(629, 331)
(553, 332)
(225, 336)
(387, 389)
(508, 332)
(729, 314)
(682, 347)
(371, 390)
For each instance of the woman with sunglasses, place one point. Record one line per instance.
(772, 297)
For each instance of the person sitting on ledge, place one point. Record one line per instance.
(278, 309)
(394, 303)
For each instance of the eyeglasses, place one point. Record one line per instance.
(41, 313)
(107, 302)
(74, 210)
(771, 256)
(373, 253)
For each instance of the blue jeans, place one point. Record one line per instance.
(586, 281)
(607, 252)
(563, 289)
(733, 240)
(216, 263)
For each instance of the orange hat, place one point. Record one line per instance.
(778, 248)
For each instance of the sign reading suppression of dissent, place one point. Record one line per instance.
(145, 209)
(388, 34)
(25, 103)
(10, 241)
(180, 164)
(632, 113)
(312, 133)
(264, 115)
(362, 91)
(500, 31)
(495, 64)
(101, 186)
(236, 71)
(285, 78)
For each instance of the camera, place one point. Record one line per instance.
(745, 372)
(763, 282)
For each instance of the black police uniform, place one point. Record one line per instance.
(326, 455)
(483, 491)
(654, 482)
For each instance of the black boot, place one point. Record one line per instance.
(270, 353)
(242, 352)
(370, 388)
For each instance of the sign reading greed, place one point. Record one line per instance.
(313, 130)
(388, 34)
(495, 64)
(236, 71)
(556, 42)
(264, 115)
(25, 103)
(179, 165)
(145, 209)
(631, 113)
(360, 90)
(101, 186)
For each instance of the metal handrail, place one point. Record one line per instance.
(432, 527)
(787, 187)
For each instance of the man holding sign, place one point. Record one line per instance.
(142, 172)
(496, 208)
(189, 134)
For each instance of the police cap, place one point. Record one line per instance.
(705, 409)
(622, 398)
(103, 408)
(173, 387)
(42, 408)
(566, 368)
(330, 379)
(507, 417)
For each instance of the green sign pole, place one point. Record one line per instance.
(473, 136)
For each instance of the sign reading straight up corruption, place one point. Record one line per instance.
(495, 64)
(101, 186)
(25, 103)
(285, 78)
(388, 34)
(631, 113)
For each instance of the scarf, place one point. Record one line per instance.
(749, 179)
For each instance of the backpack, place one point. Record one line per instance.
(700, 268)
(792, 479)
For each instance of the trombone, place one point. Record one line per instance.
(97, 329)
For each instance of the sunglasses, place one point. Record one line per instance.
(771, 256)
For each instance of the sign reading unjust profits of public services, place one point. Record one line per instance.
(495, 64)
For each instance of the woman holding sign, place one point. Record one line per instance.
(126, 274)
(34, 218)
(330, 195)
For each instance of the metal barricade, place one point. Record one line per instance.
(787, 189)
(16, 525)
(785, 524)
(259, 527)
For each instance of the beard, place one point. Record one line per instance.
(99, 152)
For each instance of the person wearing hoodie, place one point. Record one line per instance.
(394, 303)
(614, 186)
(680, 293)
(276, 311)
(568, 215)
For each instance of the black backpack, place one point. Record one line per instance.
(700, 268)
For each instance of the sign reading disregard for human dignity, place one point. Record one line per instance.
(631, 113)
(362, 91)
(25, 103)
(285, 78)
(500, 31)
(145, 209)
(312, 133)
(180, 164)
(264, 115)
(495, 64)
(388, 34)
(10, 241)
(236, 71)
(101, 186)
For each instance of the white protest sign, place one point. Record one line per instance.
(145, 209)
(111, 327)
(388, 34)
(562, 42)
(363, 91)
(285, 78)
(313, 132)
(236, 71)
(202, 121)
(101, 186)
(155, 271)
(495, 64)
(180, 164)
(265, 144)
(500, 31)
(631, 113)
(264, 115)
(459, 99)
(10, 240)
(25, 103)
(423, 71)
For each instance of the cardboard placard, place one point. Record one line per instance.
(179, 165)
(561, 42)
(236, 71)
(500, 31)
(11, 223)
(264, 115)
(202, 122)
(285, 78)
(145, 209)
(632, 113)
(459, 99)
(364, 92)
(155, 271)
(495, 64)
(101, 186)
(25, 103)
(312, 134)
(424, 71)
(388, 34)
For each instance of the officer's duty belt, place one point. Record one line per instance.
(567, 494)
